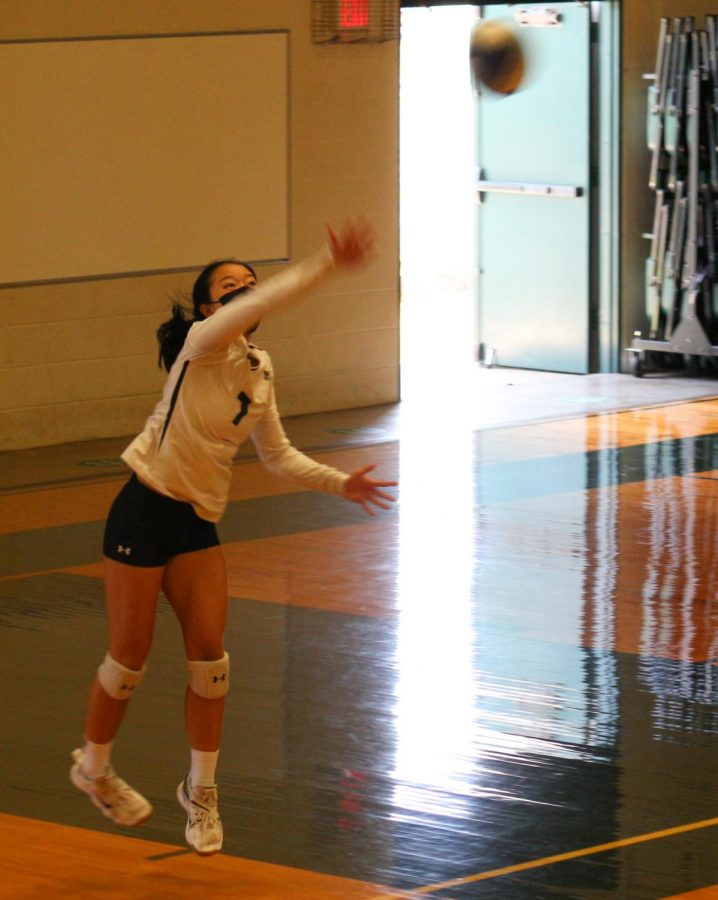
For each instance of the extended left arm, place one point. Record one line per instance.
(279, 456)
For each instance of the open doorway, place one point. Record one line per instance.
(437, 190)
(439, 215)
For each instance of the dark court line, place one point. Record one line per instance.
(79, 544)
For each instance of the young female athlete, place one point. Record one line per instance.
(161, 534)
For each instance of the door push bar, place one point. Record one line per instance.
(517, 187)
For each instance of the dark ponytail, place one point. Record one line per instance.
(172, 333)
(171, 336)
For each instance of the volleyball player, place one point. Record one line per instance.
(161, 530)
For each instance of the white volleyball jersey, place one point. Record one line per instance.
(216, 396)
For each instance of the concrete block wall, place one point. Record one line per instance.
(78, 360)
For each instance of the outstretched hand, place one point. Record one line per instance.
(354, 243)
(366, 491)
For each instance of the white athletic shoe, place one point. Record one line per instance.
(110, 794)
(204, 831)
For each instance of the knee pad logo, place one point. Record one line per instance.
(117, 680)
(209, 678)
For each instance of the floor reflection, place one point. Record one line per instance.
(435, 765)
(535, 686)
(517, 666)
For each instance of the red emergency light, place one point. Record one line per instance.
(354, 21)
(354, 14)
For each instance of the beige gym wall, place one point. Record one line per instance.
(639, 36)
(78, 359)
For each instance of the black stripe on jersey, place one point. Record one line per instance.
(173, 401)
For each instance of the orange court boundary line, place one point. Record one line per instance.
(34, 574)
(560, 857)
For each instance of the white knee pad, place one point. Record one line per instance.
(118, 681)
(209, 679)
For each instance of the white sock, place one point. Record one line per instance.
(204, 765)
(96, 758)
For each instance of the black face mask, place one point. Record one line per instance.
(230, 295)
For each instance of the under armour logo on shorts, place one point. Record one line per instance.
(125, 550)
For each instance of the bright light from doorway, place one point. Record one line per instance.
(437, 185)
(434, 764)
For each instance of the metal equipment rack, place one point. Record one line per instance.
(682, 129)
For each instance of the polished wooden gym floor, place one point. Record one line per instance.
(504, 688)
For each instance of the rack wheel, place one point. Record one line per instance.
(636, 363)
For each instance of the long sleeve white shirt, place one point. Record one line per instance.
(219, 392)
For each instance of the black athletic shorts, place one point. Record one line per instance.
(145, 528)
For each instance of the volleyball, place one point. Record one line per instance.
(496, 57)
